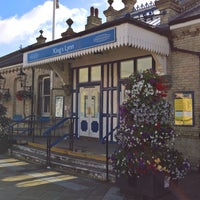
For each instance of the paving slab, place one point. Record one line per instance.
(27, 181)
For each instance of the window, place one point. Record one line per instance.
(46, 96)
(96, 73)
(83, 75)
(144, 64)
(126, 68)
(129, 67)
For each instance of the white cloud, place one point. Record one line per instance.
(117, 4)
(24, 30)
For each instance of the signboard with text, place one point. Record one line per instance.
(70, 46)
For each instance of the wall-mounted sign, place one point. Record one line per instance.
(89, 41)
(59, 106)
(183, 107)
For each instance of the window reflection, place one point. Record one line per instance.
(89, 103)
(46, 96)
(96, 73)
(126, 68)
(144, 64)
(83, 75)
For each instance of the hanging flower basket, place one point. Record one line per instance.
(23, 95)
(6, 96)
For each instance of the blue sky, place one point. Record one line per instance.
(21, 20)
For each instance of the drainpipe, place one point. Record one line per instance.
(199, 131)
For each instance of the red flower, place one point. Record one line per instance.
(163, 94)
(157, 125)
(19, 97)
(160, 86)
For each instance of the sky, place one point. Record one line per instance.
(21, 20)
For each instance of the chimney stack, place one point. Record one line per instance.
(93, 20)
(168, 9)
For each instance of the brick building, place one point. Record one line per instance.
(82, 74)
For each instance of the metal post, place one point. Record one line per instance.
(71, 136)
(107, 179)
(53, 20)
(53, 37)
(48, 150)
(11, 141)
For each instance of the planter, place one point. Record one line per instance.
(149, 185)
(3, 146)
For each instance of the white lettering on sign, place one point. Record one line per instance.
(63, 49)
(34, 56)
(101, 38)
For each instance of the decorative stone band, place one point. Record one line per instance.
(122, 35)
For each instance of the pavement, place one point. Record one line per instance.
(20, 180)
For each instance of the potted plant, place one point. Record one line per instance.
(145, 138)
(23, 95)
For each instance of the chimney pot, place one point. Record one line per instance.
(96, 12)
(92, 11)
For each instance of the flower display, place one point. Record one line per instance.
(5, 96)
(146, 133)
(23, 94)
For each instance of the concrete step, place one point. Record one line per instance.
(72, 164)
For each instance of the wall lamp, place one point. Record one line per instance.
(22, 78)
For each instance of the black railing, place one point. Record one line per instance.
(18, 127)
(22, 125)
(105, 140)
(70, 135)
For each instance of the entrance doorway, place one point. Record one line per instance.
(89, 111)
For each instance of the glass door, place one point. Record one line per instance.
(89, 111)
